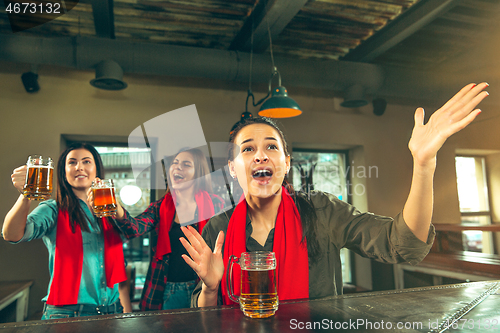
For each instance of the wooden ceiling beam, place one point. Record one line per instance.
(273, 13)
(405, 25)
(104, 20)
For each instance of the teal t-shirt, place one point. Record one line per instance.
(42, 223)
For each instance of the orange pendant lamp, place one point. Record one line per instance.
(279, 105)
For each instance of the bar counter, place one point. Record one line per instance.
(468, 307)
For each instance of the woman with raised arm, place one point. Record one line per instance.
(311, 231)
(189, 200)
(86, 262)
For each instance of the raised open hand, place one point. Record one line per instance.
(206, 263)
(456, 114)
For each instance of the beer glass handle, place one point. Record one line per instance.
(229, 278)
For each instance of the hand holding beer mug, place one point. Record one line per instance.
(258, 294)
(38, 184)
(103, 191)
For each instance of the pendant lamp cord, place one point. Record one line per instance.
(270, 42)
(251, 56)
(274, 69)
(250, 93)
(273, 72)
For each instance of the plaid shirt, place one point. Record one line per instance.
(156, 278)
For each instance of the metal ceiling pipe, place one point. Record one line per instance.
(159, 59)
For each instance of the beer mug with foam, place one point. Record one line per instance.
(258, 294)
(38, 184)
(104, 197)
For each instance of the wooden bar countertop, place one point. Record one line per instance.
(468, 307)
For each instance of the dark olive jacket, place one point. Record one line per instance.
(340, 225)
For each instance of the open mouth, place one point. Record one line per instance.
(178, 177)
(262, 174)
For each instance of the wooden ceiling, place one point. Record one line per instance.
(419, 35)
(317, 28)
(320, 29)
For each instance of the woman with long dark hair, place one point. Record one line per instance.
(86, 261)
(307, 234)
(189, 200)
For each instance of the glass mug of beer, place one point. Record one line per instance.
(258, 294)
(38, 184)
(104, 197)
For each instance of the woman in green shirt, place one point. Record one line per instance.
(306, 234)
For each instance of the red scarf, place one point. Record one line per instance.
(167, 211)
(292, 266)
(68, 260)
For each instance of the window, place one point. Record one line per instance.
(474, 202)
(324, 171)
(135, 196)
(134, 193)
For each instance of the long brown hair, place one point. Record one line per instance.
(304, 205)
(66, 198)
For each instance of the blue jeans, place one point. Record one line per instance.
(61, 312)
(177, 295)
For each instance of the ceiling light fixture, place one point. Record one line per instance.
(354, 97)
(108, 76)
(279, 105)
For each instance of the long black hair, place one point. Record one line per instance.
(304, 205)
(66, 198)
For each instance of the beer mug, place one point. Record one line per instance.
(258, 294)
(104, 197)
(38, 184)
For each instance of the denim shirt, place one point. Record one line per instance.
(42, 223)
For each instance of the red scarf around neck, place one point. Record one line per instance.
(167, 211)
(292, 262)
(68, 260)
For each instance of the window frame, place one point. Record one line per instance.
(349, 254)
(345, 152)
(487, 237)
(488, 192)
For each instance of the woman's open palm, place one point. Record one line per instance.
(208, 264)
(456, 114)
